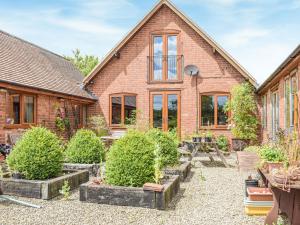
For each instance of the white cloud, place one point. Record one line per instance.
(244, 36)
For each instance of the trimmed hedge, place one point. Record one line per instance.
(38, 155)
(130, 161)
(85, 147)
(168, 147)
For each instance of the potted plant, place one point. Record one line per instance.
(196, 137)
(273, 157)
(243, 110)
(222, 143)
(208, 136)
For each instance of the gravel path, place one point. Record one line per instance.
(213, 196)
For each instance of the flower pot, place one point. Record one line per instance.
(208, 139)
(274, 165)
(259, 194)
(250, 183)
(2, 157)
(239, 144)
(197, 139)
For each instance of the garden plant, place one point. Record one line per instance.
(38, 155)
(85, 147)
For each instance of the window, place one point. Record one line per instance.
(164, 57)
(291, 102)
(264, 112)
(22, 109)
(122, 108)
(212, 110)
(77, 115)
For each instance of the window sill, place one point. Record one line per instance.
(18, 126)
(215, 128)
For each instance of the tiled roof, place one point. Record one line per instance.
(23, 63)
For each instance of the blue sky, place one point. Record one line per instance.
(258, 33)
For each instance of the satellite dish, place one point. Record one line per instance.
(191, 70)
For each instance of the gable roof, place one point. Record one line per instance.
(196, 28)
(289, 59)
(25, 64)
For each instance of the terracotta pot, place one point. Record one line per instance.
(274, 165)
(2, 157)
(259, 194)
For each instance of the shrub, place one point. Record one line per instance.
(270, 153)
(85, 147)
(243, 108)
(222, 143)
(168, 154)
(130, 161)
(38, 155)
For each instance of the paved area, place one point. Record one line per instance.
(213, 195)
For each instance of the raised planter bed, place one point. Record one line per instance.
(45, 189)
(183, 170)
(92, 168)
(130, 196)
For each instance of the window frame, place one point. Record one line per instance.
(215, 98)
(264, 112)
(165, 34)
(288, 110)
(122, 95)
(22, 124)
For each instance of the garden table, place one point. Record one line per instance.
(286, 203)
(205, 149)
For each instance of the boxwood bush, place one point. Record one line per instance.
(85, 147)
(38, 155)
(168, 154)
(130, 160)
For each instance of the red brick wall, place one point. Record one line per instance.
(2, 114)
(46, 113)
(129, 72)
(267, 132)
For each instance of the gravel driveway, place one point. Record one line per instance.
(212, 196)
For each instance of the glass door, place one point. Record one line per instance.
(165, 110)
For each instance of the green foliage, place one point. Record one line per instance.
(38, 155)
(222, 142)
(167, 144)
(131, 160)
(98, 125)
(270, 153)
(253, 148)
(62, 124)
(243, 109)
(84, 63)
(85, 147)
(65, 190)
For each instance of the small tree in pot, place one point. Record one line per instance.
(243, 110)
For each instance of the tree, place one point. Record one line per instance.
(243, 108)
(85, 63)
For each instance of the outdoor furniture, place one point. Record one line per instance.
(14, 137)
(285, 203)
(205, 149)
(115, 135)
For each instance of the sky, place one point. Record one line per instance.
(259, 34)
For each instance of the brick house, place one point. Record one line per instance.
(145, 72)
(36, 86)
(279, 98)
